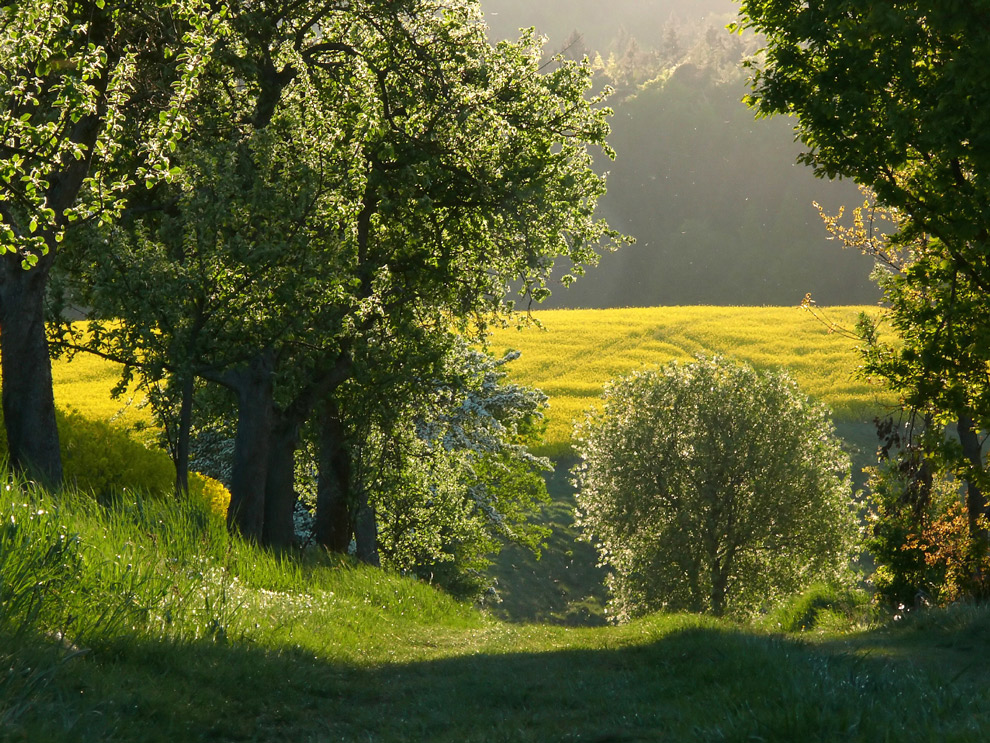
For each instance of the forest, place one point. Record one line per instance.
(485, 370)
(721, 212)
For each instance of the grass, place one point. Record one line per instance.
(154, 625)
(144, 620)
(577, 351)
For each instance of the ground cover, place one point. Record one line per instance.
(174, 631)
(576, 352)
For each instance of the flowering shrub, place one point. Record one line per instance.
(712, 487)
(210, 491)
(102, 459)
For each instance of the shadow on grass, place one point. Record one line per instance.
(648, 682)
(565, 586)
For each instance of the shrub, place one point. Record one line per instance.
(712, 487)
(99, 458)
(918, 536)
(209, 491)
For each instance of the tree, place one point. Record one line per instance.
(94, 99)
(893, 96)
(709, 486)
(938, 369)
(382, 171)
(442, 471)
(896, 97)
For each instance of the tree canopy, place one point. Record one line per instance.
(94, 100)
(897, 98)
(373, 184)
(893, 96)
(709, 486)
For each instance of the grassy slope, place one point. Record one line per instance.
(578, 351)
(258, 650)
(225, 643)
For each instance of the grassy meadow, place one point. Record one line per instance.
(576, 352)
(147, 622)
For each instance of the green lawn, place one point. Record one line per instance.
(176, 632)
(149, 623)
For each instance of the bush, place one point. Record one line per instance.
(712, 487)
(918, 536)
(102, 459)
(210, 492)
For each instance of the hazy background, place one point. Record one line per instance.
(721, 212)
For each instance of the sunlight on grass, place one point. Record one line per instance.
(147, 621)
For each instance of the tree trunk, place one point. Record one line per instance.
(280, 493)
(366, 532)
(976, 504)
(28, 400)
(721, 569)
(255, 410)
(719, 584)
(182, 439)
(334, 519)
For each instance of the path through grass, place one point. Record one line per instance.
(211, 639)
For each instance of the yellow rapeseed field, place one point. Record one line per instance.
(84, 385)
(577, 351)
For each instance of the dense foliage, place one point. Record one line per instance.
(897, 97)
(94, 100)
(709, 486)
(927, 540)
(368, 190)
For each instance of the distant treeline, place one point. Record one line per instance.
(721, 211)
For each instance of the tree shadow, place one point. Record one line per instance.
(695, 683)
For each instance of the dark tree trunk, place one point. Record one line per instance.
(28, 400)
(976, 504)
(280, 494)
(255, 410)
(334, 514)
(719, 584)
(721, 570)
(182, 439)
(366, 532)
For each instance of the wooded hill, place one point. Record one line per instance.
(721, 212)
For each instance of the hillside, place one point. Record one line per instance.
(151, 624)
(576, 352)
(721, 211)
